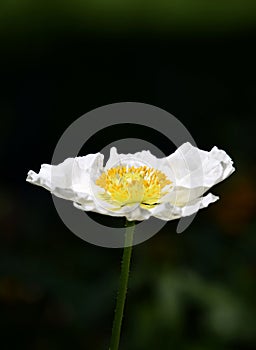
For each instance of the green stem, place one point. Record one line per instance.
(122, 290)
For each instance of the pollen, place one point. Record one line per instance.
(125, 186)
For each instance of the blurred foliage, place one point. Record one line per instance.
(130, 14)
(61, 59)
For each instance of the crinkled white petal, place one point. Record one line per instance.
(166, 211)
(71, 179)
(140, 159)
(132, 159)
(132, 213)
(196, 168)
(196, 171)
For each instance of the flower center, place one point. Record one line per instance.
(129, 185)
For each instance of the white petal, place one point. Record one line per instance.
(131, 213)
(135, 159)
(140, 159)
(69, 180)
(167, 211)
(196, 171)
(138, 214)
(180, 196)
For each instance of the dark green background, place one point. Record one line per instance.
(195, 59)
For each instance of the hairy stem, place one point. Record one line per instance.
(123, 283)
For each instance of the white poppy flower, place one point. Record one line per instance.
(138, 185)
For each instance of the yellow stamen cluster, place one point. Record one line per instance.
(125, 185)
